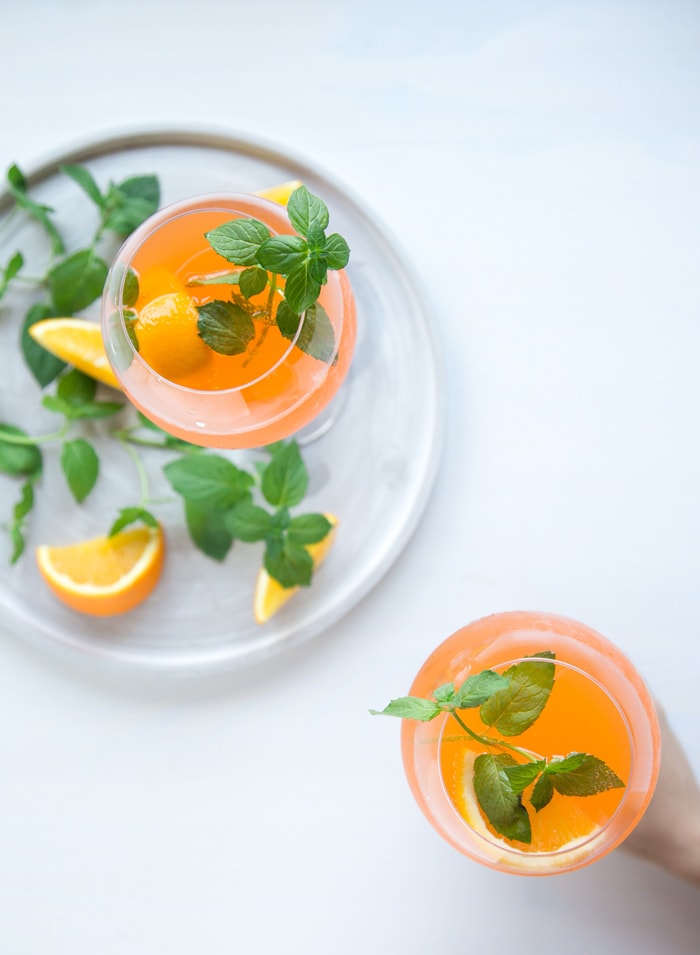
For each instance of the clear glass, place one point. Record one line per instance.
(279, 388)
(621, 708)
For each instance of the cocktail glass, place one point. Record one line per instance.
(268, 393)
(599, 704)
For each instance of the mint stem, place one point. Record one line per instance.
(25, 439)
(489, 741)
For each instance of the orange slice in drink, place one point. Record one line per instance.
(270, 596)
(77, 341)
(560, 827)
(166, 330)
(105, 575)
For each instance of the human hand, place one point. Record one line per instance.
(669, 832)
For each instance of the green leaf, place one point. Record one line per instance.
(589, 777)
(252, 281)
(445, 695)
(207, 530)
(208, 480)
(76, 388)
(247, 522)
(239, 240)
(283, 253)
(308, 528)
(515, 708)
(131, 202)
(132, 515)
(301, 289)
(478, 688)
(337, 251)
(566, 764)
(77, 281)
(20, 512)
(292, 566)
(17, 185)
(316, 337)
(306, 211)
(18, 459)
(543, 792)
(11, 269)
(225, 327)
(130, 292)
(501, 805)
(80, 466)
(285, 479)
(85, 180)
(523, 775)
(44, 366)
(217, 278)
(410, 708)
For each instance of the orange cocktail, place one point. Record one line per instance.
(270, 387)
(597, 705)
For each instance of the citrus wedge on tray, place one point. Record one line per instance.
(270, 596)
(77, 341)
(105, 575)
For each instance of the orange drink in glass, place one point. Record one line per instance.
(598, 704)
(164, 277)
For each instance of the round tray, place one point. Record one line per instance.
(373, 468)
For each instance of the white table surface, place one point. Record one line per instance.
(554, 148)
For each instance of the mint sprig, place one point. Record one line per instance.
(510, 703)
(261, 259)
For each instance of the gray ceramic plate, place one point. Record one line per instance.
(373, 468)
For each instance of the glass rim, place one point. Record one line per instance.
(193, 205)
(577, 845)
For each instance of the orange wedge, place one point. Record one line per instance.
(77, 341)
(105, 575)
(270, 595)
(562, 825)
(281, 192)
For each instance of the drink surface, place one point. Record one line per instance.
(598, 705)
(579, 716)
(269, 391)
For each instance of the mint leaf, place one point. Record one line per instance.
(77, 281)
(589, 777)
(207, 530)
(308, 528)
(11, 269)
(225, 327)
(131, 202)
(501, 805)
(80, 466)
(20, 512)
(283, 253)
(515, 708)
(478, 688)
(76, 388)
(316, 337)
(252, 281)
(83, 177)
(208, 480)
(44, 366)
(301, 289)
(306, 211)
(131, 289)
(239, 240)
(290, 564)
(284, 478)
(445, 695)
(247, 522)
(132, 515)
(337, 251)
(18, 459)
(17, 185)
(543, 792)
(567, 764)
(522, 775)
(410, 708)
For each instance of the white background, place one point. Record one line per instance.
(538, 163)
